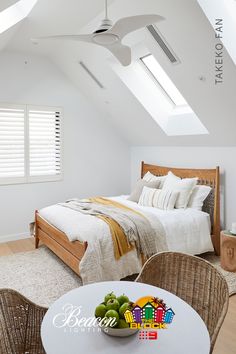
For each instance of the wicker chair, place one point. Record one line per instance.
(194, 280)
(20, 321)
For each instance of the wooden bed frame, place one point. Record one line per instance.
(71, 253)
(207, 177)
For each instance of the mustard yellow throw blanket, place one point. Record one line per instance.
(129, 228)
(120, 241)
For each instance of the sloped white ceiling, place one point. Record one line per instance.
(190, 35)
(226, 11)
(7, 36)
(6, 3)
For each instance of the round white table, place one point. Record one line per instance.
(186, 334)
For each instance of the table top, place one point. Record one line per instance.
(61, 334)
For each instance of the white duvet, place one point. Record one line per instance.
(187, 230)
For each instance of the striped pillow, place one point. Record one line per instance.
(158, 198)
(149, 177)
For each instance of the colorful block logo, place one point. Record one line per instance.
(149, 313)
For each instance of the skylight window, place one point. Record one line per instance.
(163, 80)
(15, 13)
(160, 98)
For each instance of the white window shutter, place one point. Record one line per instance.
(12, 143)
(44, 143)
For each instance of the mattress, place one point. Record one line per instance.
(187, 230)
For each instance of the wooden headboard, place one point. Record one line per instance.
(208, 177)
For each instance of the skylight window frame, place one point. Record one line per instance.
(155, 79)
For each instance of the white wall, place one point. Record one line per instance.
(96, 161)
(195, 157)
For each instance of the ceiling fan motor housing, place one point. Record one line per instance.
(106, 24)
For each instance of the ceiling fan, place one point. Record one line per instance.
(110, 36)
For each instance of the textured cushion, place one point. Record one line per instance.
(146, 196)
(149, 177)
(158, 198)
(171, 180)
(199, 194)
(183, 186)
(165, 199)
(137, 191)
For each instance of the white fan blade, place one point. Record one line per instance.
(121, 52)
(76, 37)
(129, 24)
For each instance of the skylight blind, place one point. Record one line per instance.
(12, 142)
(44, 142)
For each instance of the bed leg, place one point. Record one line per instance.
(36, 242)
(36, 238)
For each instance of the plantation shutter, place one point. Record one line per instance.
(44, 142)
(12, 143)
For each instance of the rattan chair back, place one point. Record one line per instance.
(20, 322)
(194, 280)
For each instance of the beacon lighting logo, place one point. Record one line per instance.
(149, 314)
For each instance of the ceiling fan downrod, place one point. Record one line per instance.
(106, 24)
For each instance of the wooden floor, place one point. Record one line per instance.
(226, 341)
(16, 246)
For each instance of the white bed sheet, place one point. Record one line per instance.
(187, 230)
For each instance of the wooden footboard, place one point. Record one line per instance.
(70, 253)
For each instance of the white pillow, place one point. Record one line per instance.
(199, 194)
(164, 199)
(146, 196)
(158, 198)
(137, 191)
(149, 177)
(183, 186)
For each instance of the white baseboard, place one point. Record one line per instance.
(14, 237)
